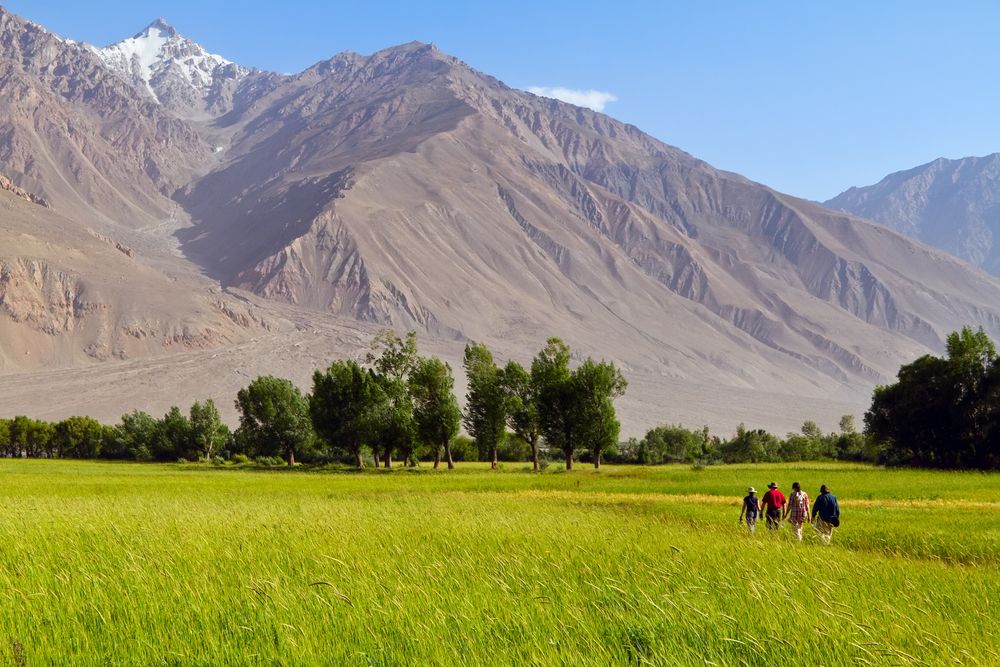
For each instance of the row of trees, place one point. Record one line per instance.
(677, 444)
(396, 404)
(403, 402)
(199, 434)
(942, 412)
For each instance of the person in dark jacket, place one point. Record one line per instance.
(825, 514)
(751, 508)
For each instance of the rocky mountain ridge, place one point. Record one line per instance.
(951, 204)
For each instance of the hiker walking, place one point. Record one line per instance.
(797, 511)
(751, 508)
(826, 514)
(774, 502)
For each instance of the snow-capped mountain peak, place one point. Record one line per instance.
(175, 71)
(160, 26)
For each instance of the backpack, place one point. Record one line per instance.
(750, 503)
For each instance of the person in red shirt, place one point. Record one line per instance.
(774, 503)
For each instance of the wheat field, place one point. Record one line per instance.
(141, 564)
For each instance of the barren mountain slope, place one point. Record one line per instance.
(406, 189)
(952, 204)
(69, 295)
(79, 136)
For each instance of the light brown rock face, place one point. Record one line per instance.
(6, 185)
(69, 296)
(952, 204)
(408, 190)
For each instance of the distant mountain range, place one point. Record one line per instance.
(406, 189)
(952, 204)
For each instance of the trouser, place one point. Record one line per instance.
(825, 530)
(752, 523)
(797, 529)
(773, 518)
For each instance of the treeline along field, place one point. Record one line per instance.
(399, 405)
(123, 564)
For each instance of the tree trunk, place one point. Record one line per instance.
(597, 461)
(388, 458)
(493, 459)
(534, 453)
(569, 459)
(437, 458)
(358, 461)
(447, 452)
(291, 457)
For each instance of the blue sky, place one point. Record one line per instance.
(807, 97)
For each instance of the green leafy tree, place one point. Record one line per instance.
(36, 437)
(596, 385)
(670, 444)
(132, 438)
(486, 401)
(274, 419)
(809, 444)
(522, 407)
(20, 436)
(553, 382)
(395, 425)
(78, 437)
(751, 446)
(393, 360)
(208, 432)
(941, 411)
(5, 444)
(347, 407)
(393, 356)
(847, 426)
(436, 410)
(850, 445)
(173, 437)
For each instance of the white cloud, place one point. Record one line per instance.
(592, 99)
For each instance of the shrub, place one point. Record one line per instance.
(514, 449)
(269, 461)
(463, 448)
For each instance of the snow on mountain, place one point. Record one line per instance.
(176, 72)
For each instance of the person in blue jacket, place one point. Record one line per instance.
(825, 514)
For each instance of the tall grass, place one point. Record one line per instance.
(105, 564)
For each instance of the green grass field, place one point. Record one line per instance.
(131, 564)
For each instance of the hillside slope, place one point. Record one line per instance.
(69, 295)
(409, 190)
(952, 204)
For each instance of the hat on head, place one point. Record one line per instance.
(751, 490)
(772, 485)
